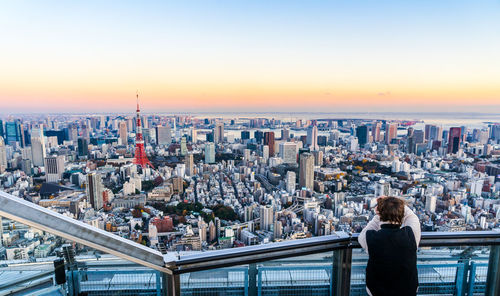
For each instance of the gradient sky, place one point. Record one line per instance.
(330, 56)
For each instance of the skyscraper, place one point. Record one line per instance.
(362, 134)
(189, 161)
(306, 173)
(269, 141)
(312, 137)
(376, 131)
(38, 146)
(454, 140)
(12, 133)
(183, 146)
(123, 133)
(94, 190)
(290, 182)
(245, 135)
(209, 153)
(288, 152)
(391, 132)
(54, 168)
(3, 157)
(163, 135)
(266, 217)
(83, 147)
(219, 132)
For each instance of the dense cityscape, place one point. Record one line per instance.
(190, 183)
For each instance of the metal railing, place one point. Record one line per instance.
(469, 276)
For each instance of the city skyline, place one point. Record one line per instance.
(232, 57)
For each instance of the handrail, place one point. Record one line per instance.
(28, 213)
(314, 245)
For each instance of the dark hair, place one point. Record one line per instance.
(391, 209)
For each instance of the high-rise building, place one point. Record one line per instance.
(362, 134)
(189, 161)
(219, 132)
(376, 131)
(312, 137)
(288, 152)
(245, 135)
(290, 182)
(83, 147)
(454, 140)
(269, 141)
(391, 132)
(3, 157)
(1, 129)
(54, 168)
(209, 153)
(194, 135)
(38, 146)
(95, 190)
(266, 217)
(306, 171)
(12, 133)
(259, 136)
(285, 134)
(123, 133)
(163, 135)
(183, 146)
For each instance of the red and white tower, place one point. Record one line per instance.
(140, 153)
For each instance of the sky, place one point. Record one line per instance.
(287, 56)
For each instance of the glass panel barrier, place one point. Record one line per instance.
(441, 271)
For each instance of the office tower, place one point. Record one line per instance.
(288, 152)
(189, 161)
(123, 135)
(306, 171)
(312, 137)
(140, 152)
(416, 137)
(83, 147)
(219, 132)
(209, 153)
(246, 155)
(54, 168)
(12, 133)
(495, 132)
(94, 190)
(318, 158)
(3, 156)
(163, 135)
(1, 129)
(259, 136)
(266, 217)
(269, 141)
(454, 140)
(277, 230)
(212, 231)
(285, 134)
(376, 131)
(183, 146)
(391, 132)
(194, 135)
(38, 147)
(245, 135)
(362, 134)
(265, 152)
(430, 203)
(433, 132)
(290, 182)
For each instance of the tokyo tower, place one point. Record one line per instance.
(140, 153)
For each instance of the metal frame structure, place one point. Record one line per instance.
(340, 244)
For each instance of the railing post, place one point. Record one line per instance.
(171, 284)
(493, 277)
(461, 277)
(252, 279)
(472, 279)
(341, 272)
